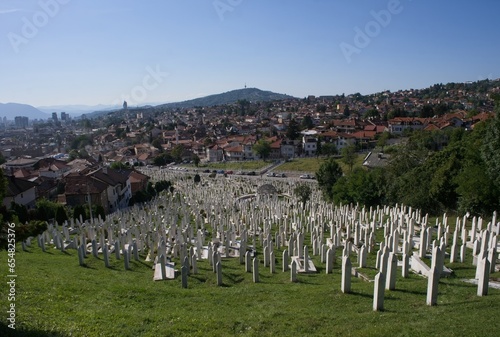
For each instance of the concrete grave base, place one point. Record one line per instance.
(169, 271)
(300, 265)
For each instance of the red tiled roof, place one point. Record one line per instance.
(364, 134)
(235, 149)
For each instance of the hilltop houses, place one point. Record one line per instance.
(72, 164)
(78, 182)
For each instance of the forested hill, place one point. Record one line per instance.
(249, 94)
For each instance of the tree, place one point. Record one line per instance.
(489, 151)
(79, 211)
(196, 160)
(162, 185)
(382, 139)
(321, 108)
(61, 215)
(163, 159)
(157, 144)
(177, 152)
(349, 156)
(98, 210)
(319, 147)
(73, 154)
(292, 131)
(244, 104)
(3, 185)
(307, 122)
(329, 149)
(120, 133)
(478, 194)
(262, 148)
(346, 112)
(118, 165)
(20, 211)
(150, 189)
(45, 209)
(23, 231)
(327, 175)
(80, 142)
(372, 113)
(357, 187)
(303, 192)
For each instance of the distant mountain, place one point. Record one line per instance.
(250, 94)
(76, 110)
(11, 110)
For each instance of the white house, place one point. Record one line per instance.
(20, 191)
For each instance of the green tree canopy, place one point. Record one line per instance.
(382, 139)
(292, 131)
(327, 175)
(262, 148)
(157, 143)
(197, 178)
(3, 184)
(80, 142)
(307, 122)
(329, 149)
(357, 187)
(163, 159)
(177, 152)
(490, 151)
(303, 192)
(79, 212)
(349, 156)
(60, 214)
(196, 160)
(118, 165)
(45, 209)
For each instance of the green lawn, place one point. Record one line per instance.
(297, 165)
(57, 297)
(238, 165)
(313, 164)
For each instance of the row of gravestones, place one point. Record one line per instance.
(151, 226)
(401, 216)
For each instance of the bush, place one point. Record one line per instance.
(61, 215)
(79, 211)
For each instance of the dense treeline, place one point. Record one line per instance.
(440, 171)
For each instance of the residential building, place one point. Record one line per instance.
(20, 191)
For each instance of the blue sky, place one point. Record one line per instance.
(100, 52)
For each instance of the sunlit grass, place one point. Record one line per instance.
(57, 297)
(312, 164)
(238, 165)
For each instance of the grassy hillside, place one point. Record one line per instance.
(313, 164)
(57, 297)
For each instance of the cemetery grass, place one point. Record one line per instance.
(57, 297)
(312, 164)
(240, 165)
